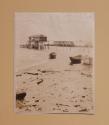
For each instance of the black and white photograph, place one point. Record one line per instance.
(54, 58)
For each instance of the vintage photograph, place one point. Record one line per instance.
(54, 58)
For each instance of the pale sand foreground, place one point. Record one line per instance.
(56, 87)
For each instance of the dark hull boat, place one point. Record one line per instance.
(75, 60)
(52, 55)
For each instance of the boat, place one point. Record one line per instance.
(87, 60)
(52, 55)
(76, 59)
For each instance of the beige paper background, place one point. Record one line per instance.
(7, 9)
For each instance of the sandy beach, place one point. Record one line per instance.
(53, 85)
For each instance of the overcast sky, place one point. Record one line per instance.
(57, 26)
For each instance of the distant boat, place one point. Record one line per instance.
(87, 60)
(76, 59)
(52, 55)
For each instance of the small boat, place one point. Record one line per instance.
(52, 55)
(20, 96)
(76, 59)
(87, 60)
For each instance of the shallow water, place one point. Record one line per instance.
(25, 58)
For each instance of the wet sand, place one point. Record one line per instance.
(55, 86)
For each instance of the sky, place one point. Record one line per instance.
(56, 26)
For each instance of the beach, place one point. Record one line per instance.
(53, 85)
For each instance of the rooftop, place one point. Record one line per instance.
(38, 35)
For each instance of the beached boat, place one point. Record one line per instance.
(87, 60)
(76, 59)
(52, 55)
